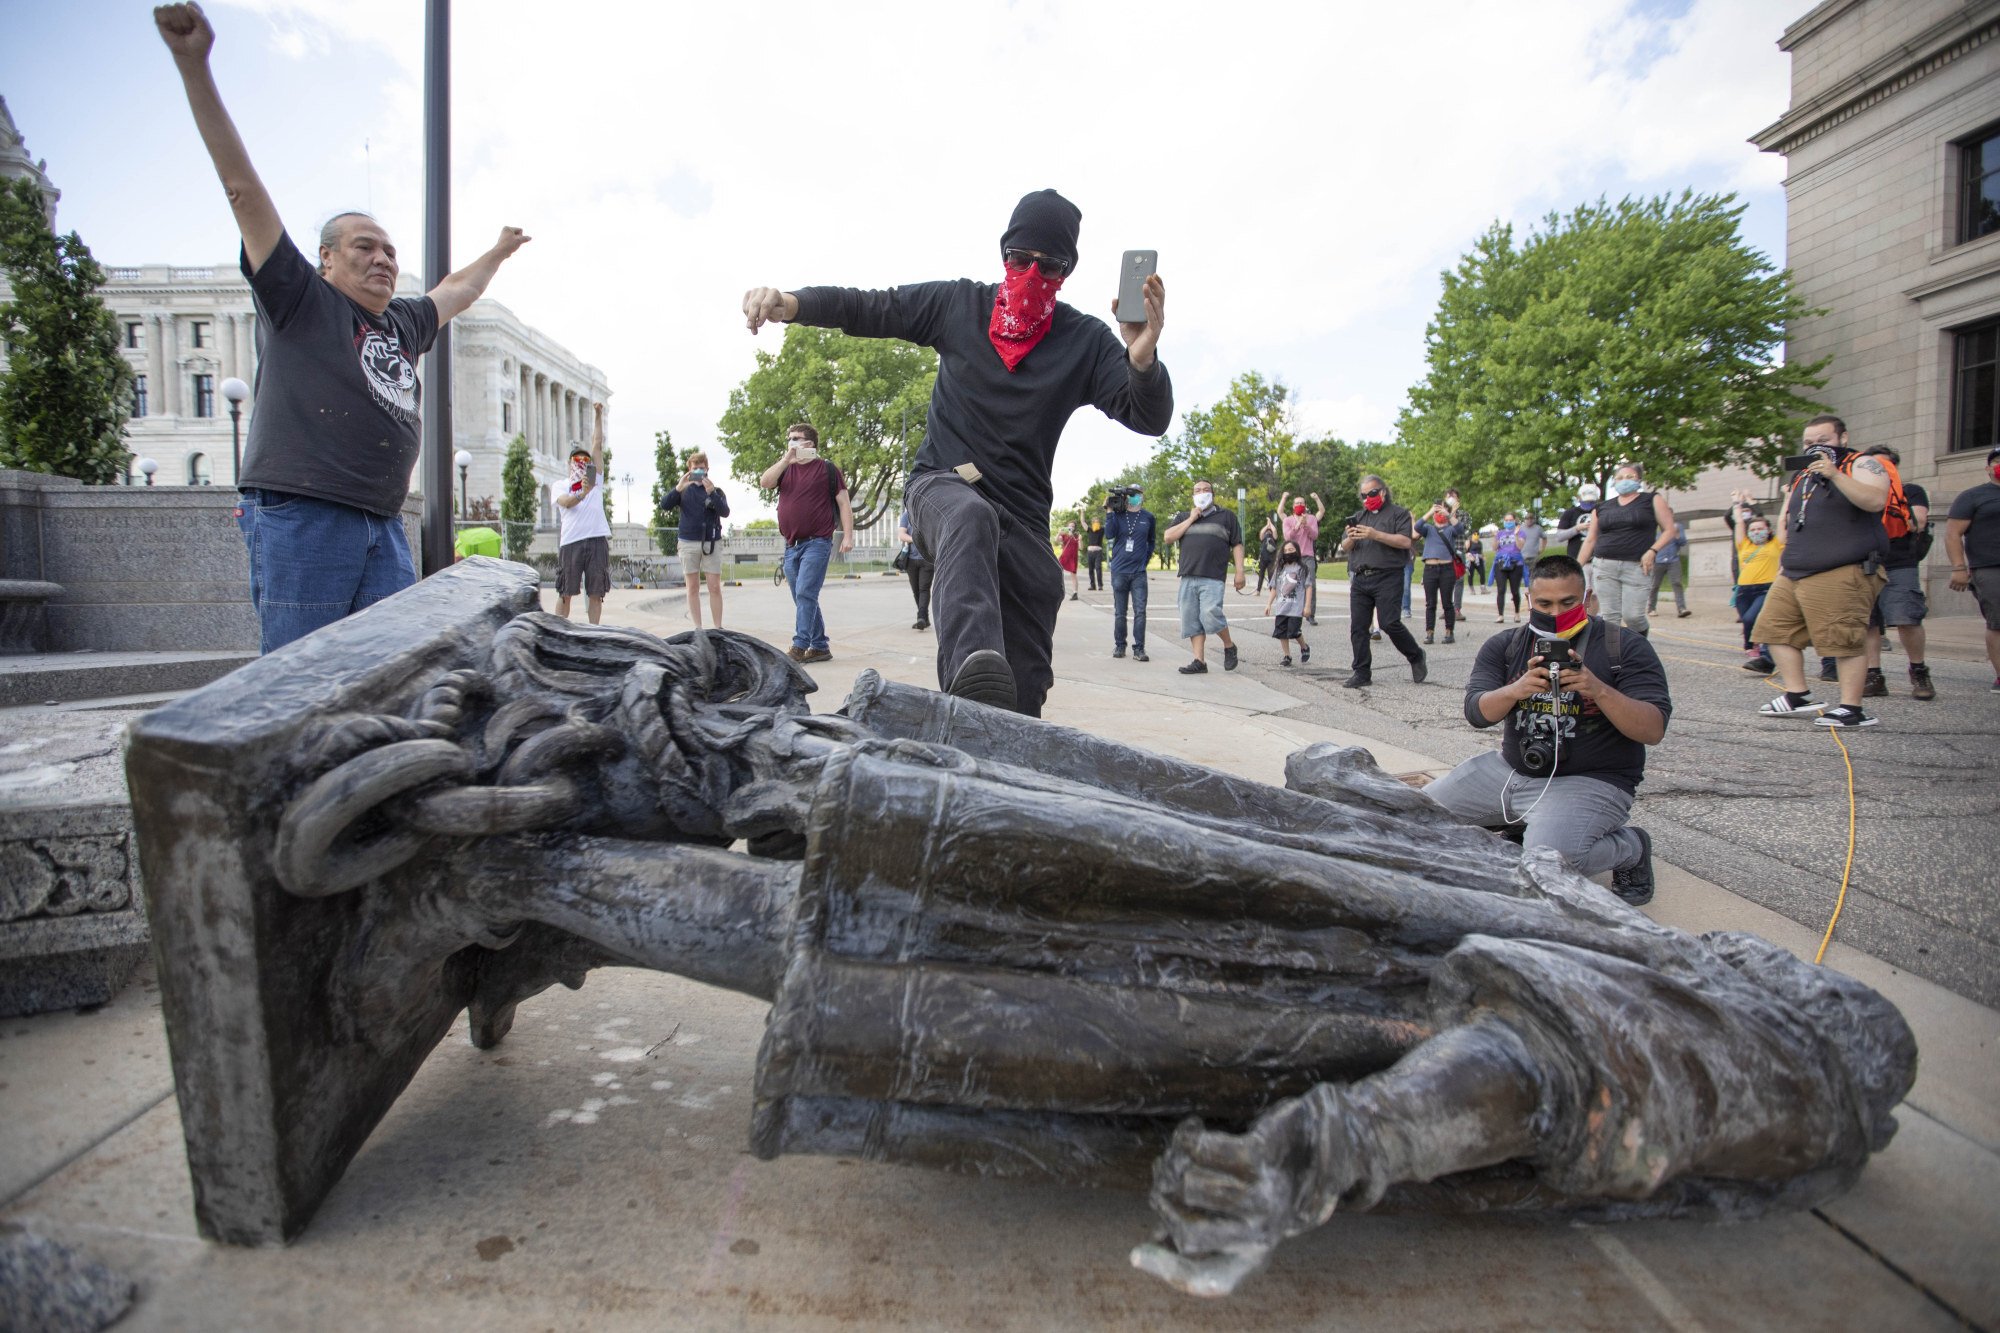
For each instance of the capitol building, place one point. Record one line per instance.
(186, 330)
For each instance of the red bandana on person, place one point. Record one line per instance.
(1023, 309)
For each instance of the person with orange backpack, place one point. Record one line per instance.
(1829, 575)
(1906, 521)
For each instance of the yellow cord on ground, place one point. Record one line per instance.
(1841, 901)
(1848, 870)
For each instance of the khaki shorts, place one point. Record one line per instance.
(1829, 611)
(694, 561)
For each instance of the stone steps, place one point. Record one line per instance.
(53, 678)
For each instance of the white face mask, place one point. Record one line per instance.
(1203, 499)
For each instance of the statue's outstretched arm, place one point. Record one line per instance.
(1464, 1099)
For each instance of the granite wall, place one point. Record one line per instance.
(142, 568)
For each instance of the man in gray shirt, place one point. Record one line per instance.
(336, 427)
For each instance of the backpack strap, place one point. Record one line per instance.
(1614, 643)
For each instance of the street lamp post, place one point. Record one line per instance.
(627, 479)
(236, 391)
(149, 467)
(464, 460)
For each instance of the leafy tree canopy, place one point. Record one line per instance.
(861, 394)
(1247, 440)
(65, 392)
(1646, 331)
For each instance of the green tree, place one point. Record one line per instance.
(666, 471)
(604, 482)
(1246, 442)
(65, 392)
(869, 398)
(1645, 330)
(517, 499)
(761, 525)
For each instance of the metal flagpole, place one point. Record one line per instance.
(438, 440)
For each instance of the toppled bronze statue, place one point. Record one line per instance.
(990, 944)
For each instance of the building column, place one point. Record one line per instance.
(170, 381)
(156, 380)
(246, 346)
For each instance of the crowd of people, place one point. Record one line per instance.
(1578, 689)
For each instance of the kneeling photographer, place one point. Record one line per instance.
(1582, 699)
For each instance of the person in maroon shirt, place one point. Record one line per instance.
(811, 495)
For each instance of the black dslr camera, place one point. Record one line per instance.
(1541, 753)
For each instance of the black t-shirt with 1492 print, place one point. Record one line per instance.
(337, 406)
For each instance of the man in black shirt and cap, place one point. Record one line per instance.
(1377, 541)
(1013, 365)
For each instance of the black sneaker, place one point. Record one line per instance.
(1762, 666)
(1357, 681)
(1305, 652)
(1119, 651)
(921, 624)
(1827, 670)
(1876, 686)
(1429, 639)
(1920, 682)
(985, 678)
(1420, 667)
(1284, 661)
(1139, 655)
(1229, 657)
(1634, 883)
(1844, 716)
(1449, 637)
(1195, 668)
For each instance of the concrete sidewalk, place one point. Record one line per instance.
(592, 1172)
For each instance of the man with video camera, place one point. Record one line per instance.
(1131, 532)
(1581, 699)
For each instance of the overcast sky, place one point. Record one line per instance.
(1304, 169)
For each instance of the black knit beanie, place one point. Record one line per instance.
(1044, 221)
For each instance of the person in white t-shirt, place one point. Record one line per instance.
(585, 559)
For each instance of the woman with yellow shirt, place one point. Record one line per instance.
(1759, 546)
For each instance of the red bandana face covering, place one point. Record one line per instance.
(1023, 309)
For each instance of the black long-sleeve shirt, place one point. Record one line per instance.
(1005, 424)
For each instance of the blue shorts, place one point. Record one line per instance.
(1201, 607)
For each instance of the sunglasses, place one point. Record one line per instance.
(1369, 495)
(1020, 260)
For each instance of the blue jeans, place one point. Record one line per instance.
(1129, 585)
(805, 571)
(313, 562)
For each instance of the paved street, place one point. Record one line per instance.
(591, 1172)
(1755, 804)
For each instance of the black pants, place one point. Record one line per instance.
(1094, 564)
(1376, 596)
(1439, 585)
(997, 585)
(1505, 576)
(920, 573)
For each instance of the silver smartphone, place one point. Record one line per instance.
(1133, 270)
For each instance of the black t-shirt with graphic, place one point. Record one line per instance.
(1590, 746)
(1209, 543)
(338, 405)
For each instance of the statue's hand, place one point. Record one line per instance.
(1230, 1194)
